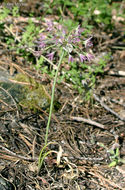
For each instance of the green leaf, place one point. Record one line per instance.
(112, 164)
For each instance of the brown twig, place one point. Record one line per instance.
(89, 121)
(15, 155)
(117, 102)
(117, 73)
(107, 108)
(6, 104)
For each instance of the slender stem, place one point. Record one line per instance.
(52, 97)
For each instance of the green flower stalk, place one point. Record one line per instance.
(52, 96)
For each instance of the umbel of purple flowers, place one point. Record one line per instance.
(57, 37)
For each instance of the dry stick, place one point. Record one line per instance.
(107, 108)
(117, 73)
(33, 147)
(12, 99)
(6, 104)
(117, 102)
(17, 156)
(89, 121)
(17, 67)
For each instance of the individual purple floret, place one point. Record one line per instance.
(50, 25)
(42, 37)
(42, 45)
(76, 40)
(89, 56)
(70, 59)
(88, 43)
(79, 31)
(41, 42)
(82, 57)
(50, 56)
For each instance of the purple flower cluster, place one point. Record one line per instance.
(58, 37)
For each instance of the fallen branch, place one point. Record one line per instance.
(117, 102)
(89, 121)
(117, 73)
(107, 108)
(10, 153)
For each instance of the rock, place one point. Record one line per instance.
(25, 91)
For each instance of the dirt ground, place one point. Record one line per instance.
(77, 131)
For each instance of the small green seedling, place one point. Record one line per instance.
(114, 155)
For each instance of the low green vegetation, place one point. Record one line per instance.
(114, 155)
(96, 13)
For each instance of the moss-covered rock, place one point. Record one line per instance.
(26, 91)
(34, 94)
